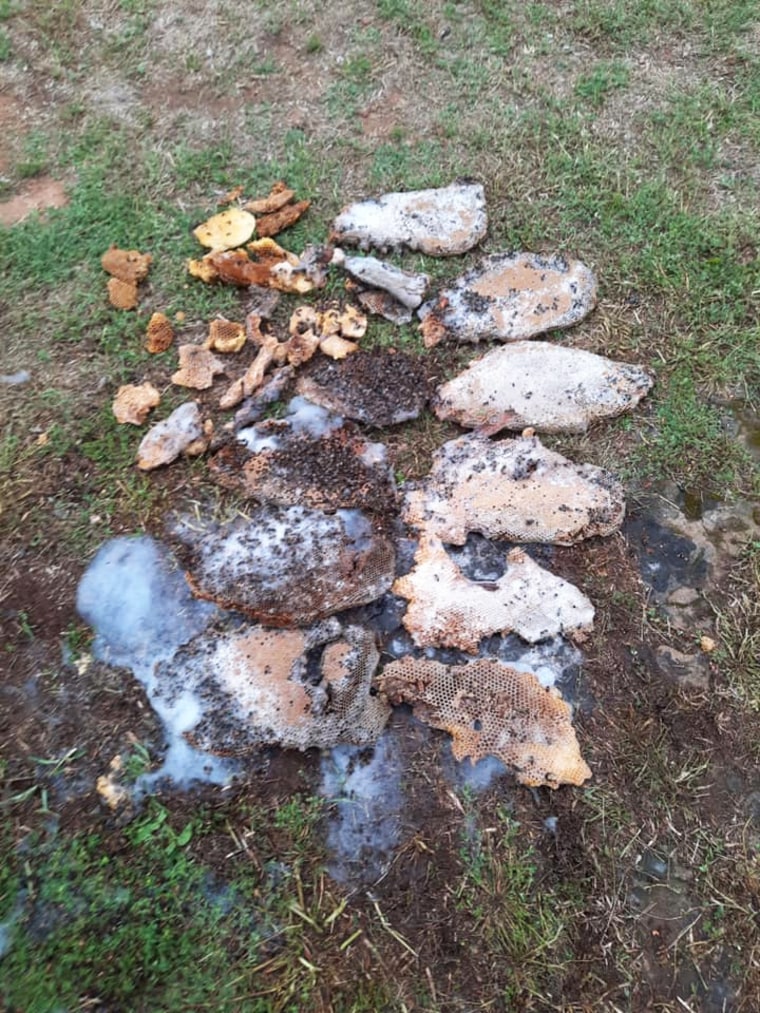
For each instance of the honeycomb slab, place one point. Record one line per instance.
(448, 610)
(287, 566)
(548, 387)
(376, 387)
(310, 457)
(299, 688)
(514, 489)
(441, 222)
(490, 709)
(510, 296)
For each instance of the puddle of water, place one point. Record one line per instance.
(140, 607)
(364, 783)
(666, 559)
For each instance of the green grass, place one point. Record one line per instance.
(521, 923)
(136, 919)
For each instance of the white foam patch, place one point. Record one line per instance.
(364, 783)
(140, 607)
(475, 777)
(307, 418)
(256, 442)
(553, 661)
(138, 602)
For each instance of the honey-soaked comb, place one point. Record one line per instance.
(159, 335)
(225, 336)
(126, 265)
(490, 709)
(122, 294)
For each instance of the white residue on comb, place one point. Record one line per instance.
(306, 417)
(256, 441)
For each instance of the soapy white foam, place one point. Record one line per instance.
(140, 607)
(256, 441)
(554, 661)
(357, 528)
(138, 602)
(475, 777)
(13, 379)
(365, 785)
(310, 419)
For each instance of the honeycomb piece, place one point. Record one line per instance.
(378, 387)
(267, 251)
(232, 195)
(235, 267)
(197, 367)
(226, 230)
(337, 347)
(441, 223)
(279, 196)
(292, 460)
(328, 321)
(132, 403)
(272, 267)
(448, 610)
(303, 318)
(353, 323)
(203, 269)
(515, 489)
(299, 689)
(159, 335)
(289, 566)
(383, 304)
(301, 347)
(126, 265)
(253, 377)
(510, 296)
(277, 221)
(490, 709)
(225, 336)
(122, 294)
(533, 383)
(165, 441)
